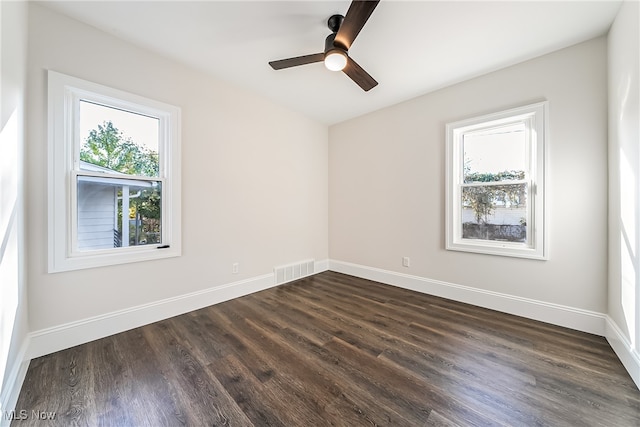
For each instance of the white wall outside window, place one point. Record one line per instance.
(66, 172)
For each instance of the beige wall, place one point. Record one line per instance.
(624, 176)
(254, 178)
(387, 179)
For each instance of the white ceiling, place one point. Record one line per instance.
(409, 47)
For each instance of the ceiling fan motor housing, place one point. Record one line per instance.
(329, 44)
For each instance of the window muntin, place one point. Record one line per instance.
(114, 176)
(495, 182)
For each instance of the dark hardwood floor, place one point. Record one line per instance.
(335, 350)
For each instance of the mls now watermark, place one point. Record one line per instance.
(28, 415)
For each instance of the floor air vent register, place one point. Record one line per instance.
(289, 272)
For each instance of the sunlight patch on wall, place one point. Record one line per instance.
(8, 236)
(628, 250)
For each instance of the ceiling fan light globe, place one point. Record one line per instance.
(335, 60)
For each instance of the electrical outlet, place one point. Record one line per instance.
(406, 261)
(235, 268)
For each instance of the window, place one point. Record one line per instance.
(495, 183)
(114, 176)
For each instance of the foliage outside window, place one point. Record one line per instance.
(495, 183)
(120, 152)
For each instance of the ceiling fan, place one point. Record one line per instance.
(344, 30)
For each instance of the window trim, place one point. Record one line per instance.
(535, 116)
(64, 95)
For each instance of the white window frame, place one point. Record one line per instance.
(65, 93)
(535, 119)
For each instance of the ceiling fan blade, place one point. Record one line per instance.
(359, 75)
(298, 60)
(357, 15)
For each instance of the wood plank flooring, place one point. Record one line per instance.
(335, 350)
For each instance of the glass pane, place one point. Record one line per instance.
(118, 213)
(495, 154)
(113, 140)
(495, 212)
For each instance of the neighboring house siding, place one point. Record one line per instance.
(505, 216)
(96, 216)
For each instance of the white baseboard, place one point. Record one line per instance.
(50, 340)
(46, 341)
(321, 266)
(15, 378)
(624, 350)
(569, 317)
